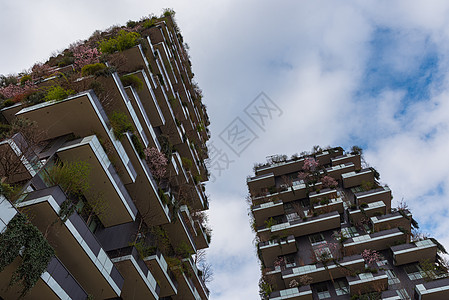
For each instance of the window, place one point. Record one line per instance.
(341, 287)
(392, 278)
(413, 272)
(292, 217)
(316, 239)
(349, 232)
(322, 291)
(403, 294)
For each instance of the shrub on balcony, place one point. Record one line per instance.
(92, 69)
(57, 93)
(186, 163)
(138, 146)
(149, 23)
(22, 237)
(132, 80)
(120, 124)
(124, 40)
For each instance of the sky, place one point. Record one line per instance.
(279, 77)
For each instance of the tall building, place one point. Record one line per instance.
(102, 171)
(326, 230)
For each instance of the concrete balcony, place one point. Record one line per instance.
(55, 283)
(74, 243)
(139, 281)
(136, 60)
(281, 168)
(393, 220)
(166, 279)
(179, 232)
(202, 240)
(148, 100)
(297, 293)
(259, 182)
(325, 157)
(373, 208)
(145, 190)
(347, 158)
(19, 162)
(103, 177)
(295, 192)
(355, 178)
(413, 252)
(336, 171)
(433, 290)
(143, 119)
(264, 211)
(185, 151)
(9, 112)
(367, 282)
(303, 227)
(272, 249)
(319, 273)
(196, 278)
(81, 115)
(376, 241)
(186, 289)
(334, 204)
(382, 194)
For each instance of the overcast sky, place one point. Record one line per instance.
(371, 73)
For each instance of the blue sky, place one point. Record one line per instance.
(371, 73)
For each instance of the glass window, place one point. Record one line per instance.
(341, 287)
(403, 294)
(413, 272)
(392, 278)
(322, 291)
(316, 239)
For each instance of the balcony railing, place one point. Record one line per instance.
(413, 252)
(139, 281)
(75, 244)
(318, 272)
(297, 293)
(302, 227)
(367, 282)
(438, 289)
(159, 268)
(376, 241)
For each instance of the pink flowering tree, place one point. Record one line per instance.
(85, 55)
(310, 164)
(13, 90)
(39, 70)
(310, 172)
(157, 162)
(279, 262)
(329, 182)
(370, 256)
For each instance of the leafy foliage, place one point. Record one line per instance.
(138, 146)
(72, 177)
(132, 80)
(92, 69)
(36, 254)
(120, 124)
(57, 93)
(124, 40)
